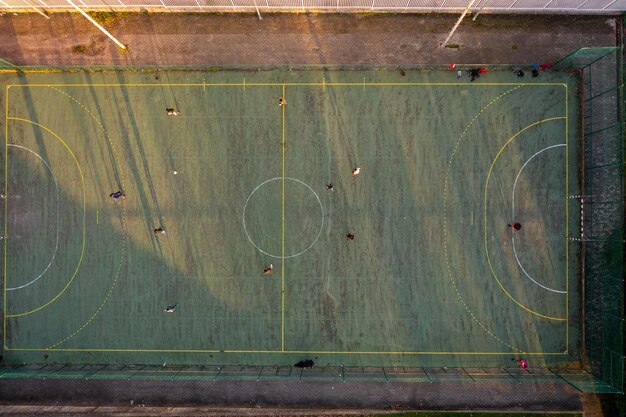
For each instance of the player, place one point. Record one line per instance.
(523, 363)
(116, 196)
(350, 236)
(474, 73)
(159, 231)
(515, 226)
(268, 269)
(330, 186)
(170, 308)
(172, 112)
(356, 171)
(281, 101)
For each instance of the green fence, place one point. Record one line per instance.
(602, 201)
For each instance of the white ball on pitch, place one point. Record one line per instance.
(175, 172)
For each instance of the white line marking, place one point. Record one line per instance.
(56, 247)
(244, 218)
(513, 219)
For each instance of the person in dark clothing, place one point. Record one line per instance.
(117, 195)
(515, 226)
(307, 363)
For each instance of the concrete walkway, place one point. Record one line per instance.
(497, 395)
(242, 39)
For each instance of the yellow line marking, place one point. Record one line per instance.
(82, 253)
(124, 233)
(262, 85)
(321, 352)
(445, 221)
(6, 213)
(288, 84)
(566, 222)
(485, 217)
(282, 268)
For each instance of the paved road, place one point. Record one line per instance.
(243, 39)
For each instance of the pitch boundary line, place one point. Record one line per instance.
(6, 214)
(513, 219)
(493, 273)
(82, 253)
(318, 84)
(283, 84)
(322, 352)
(566, 220)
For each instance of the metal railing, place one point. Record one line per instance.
(495, 6)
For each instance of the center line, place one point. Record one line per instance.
(282, 269)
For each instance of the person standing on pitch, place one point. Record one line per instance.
(515, 226)
(170, 308)
(523, 363)
(116, 196)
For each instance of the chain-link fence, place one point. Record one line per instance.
(602, 203)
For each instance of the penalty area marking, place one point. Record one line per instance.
(486, 247)
(513, 219)
(56, 245)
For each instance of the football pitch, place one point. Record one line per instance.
(434, 276)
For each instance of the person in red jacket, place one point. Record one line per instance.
(523, 363)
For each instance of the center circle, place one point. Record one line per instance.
(283, 211)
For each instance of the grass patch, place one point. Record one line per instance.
(93, 49)
(453, 46)
(79, 49)
(106, 18)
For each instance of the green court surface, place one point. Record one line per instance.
(433, 277)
